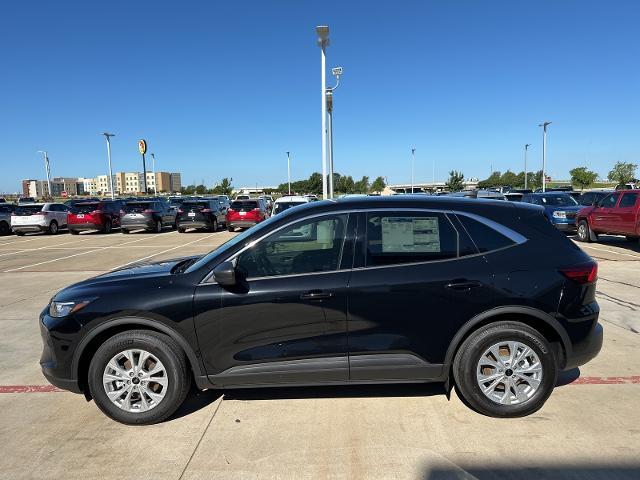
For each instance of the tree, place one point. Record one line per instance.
(188, 190)
(201, 189)
(362, 185)
(456, 181)
(223, 188)
(623, 172)
(378, 185)
(535, 180)
(345, 185)
(509, 179)
(492, 181)
(582, 177)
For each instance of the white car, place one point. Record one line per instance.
(39, 217)
(283, 203)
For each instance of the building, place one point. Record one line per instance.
(175, 184)
(35, 188)
(89, 186)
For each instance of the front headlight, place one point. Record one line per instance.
(62, 309)
(559, 214)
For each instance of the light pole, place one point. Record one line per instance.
(336, 73)
(544, 154)
(526, 175)
(107, 136)
(155, 187)
(323, 43)
(289, 171)
(413, 161)
(47, 170)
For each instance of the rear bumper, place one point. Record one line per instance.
(586, 349)
(29, 228)
(85, 226)
(138, 223)
(242, 223)
(194, 224)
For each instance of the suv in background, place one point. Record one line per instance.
(560, 208)
(6, 209)
(153, 216)
(39, 217)
(22, 200)
(101, 215)
(618, 214)
(246, 213)
(286, 202)
(204, 213)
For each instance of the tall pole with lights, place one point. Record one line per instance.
(336, 72)
(289, 171)
(47, 170)
(323, 43)
(413, 161)
(108, 136)
(526, 174)
(544, 126)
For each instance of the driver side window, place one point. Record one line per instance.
(308, 246)
(609, 201)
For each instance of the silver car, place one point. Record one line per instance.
(39, 217)
(5, 217)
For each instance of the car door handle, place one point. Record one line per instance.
(316, 295)
(463, 284)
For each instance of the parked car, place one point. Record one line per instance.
(152, 216)
(204, 213)
(617, 214)
(592, 197)
(246, 213)
(22, 200)
(243, 197)
(559, 208)
(103, 215)
(284, 203)
(72, 202)
(39, 217)
(628, 186)
(6, 209)
(486, 296)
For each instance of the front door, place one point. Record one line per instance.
(285, 320)
(604, 213)
(419, 281)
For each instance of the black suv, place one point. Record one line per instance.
(484, 295)
(204, 213)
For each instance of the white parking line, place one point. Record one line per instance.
(70, 256)
(610, 251)
(47, 247)
(165, 251)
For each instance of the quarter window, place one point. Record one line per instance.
(309, 246)
(408, 237)
(485, 237)
(628, 200)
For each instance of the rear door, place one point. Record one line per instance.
(416, 280)
(626, 213)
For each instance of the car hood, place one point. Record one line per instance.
(145, 268)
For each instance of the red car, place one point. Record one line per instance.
(246, 213)
(102, 215)
(618, 214)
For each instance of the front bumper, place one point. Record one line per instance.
(59, 336)
(566, 227)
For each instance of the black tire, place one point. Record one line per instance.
(174, 226)
(181, 229)
(53, 228)
(158, 226)
(230, 228)
(162, 347)
(107, 226)
(74, 232)
(214, 226)
(20, 234)
(584, 232)
(633, 239)
(124, 230)
(470, 352)
(5, 229)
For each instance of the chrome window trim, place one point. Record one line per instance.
(511, 234)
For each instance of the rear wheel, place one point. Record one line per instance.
(124, 230)
(230, 228)
(158, 226)
(174, 226)
(5, 229)
(505, 369)
(74, 232)
(182, 229)
(214, 225)
(139, 377)
(584, 231)
(53, 228)
(107, 226)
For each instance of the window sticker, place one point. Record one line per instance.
(410, 234)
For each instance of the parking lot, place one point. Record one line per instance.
(589, 428)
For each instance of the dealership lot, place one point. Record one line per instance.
(589, 428)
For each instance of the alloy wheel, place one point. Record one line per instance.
(135, 380)
(509, 373)
(582, 231)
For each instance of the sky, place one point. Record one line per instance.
(224, 89)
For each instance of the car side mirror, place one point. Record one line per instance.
(225, 274)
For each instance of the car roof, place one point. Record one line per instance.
(292, 198)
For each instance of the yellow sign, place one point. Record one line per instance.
(142, 147)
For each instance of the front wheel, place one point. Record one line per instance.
(139, 377)
(584, 231)
(5, 229)
(505, 369)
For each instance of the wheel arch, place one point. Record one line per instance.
(548, 326)
(90, 343)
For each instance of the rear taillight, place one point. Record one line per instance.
(582, 274)
(180, 210)
(205, 210)
(95, 212)
(148, 211)
(256, 209)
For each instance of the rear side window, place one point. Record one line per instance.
(409, 237)
(587, 199)
(610, 200)
(28, 209)
(628, 200)
(486, 238)
(84, 207)
(137, 207)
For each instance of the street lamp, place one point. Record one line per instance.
(526, 175)
(289, 172)
(323, 43)
(413, 161)
(544, 154)
(336, 73)
(108, 136)
(47, 170)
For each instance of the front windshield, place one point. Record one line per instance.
(560, 200)
(229, 244)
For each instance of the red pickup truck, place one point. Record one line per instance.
(618, 214)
